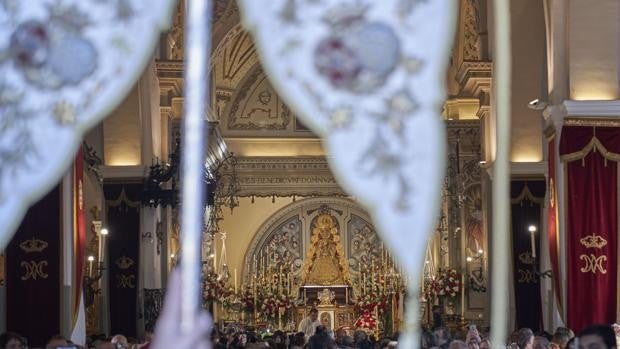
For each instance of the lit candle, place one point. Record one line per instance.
(280, 277)
(532, 230)
(102, 235)
(91, 259)
(463, 293)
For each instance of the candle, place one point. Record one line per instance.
(102, 235)
(280, 279)
(463, 293)
(90, 265)
(532, 230)
(235, 280)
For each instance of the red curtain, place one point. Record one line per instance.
(79, 231)
(592, 223)
(552, 222)
(33, 272)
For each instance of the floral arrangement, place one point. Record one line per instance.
(366, 321)
(213, 288)
(366, 303)
(271, 304)
(447, 283)
(247, 300)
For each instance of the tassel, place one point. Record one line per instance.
(583, 162)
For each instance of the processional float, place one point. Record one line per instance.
(367, 76)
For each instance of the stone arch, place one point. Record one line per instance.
(290, 228)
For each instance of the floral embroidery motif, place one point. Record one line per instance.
(63, 64)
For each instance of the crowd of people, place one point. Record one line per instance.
(314, 335)
(595, 337)
(11, 340)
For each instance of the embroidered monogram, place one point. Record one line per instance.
(34, 270)
(593, 264)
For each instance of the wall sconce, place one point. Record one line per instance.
(476, 278)
(545, 274)
(90, 287)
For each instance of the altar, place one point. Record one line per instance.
(326, 282)
(332, 302)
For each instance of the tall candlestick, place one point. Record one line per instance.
(463, 293)
(102, 235)
(91, 259)
(532, 230)
(235, 280)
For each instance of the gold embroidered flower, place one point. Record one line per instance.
(64, 112)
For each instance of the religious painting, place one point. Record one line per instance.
(327, 318)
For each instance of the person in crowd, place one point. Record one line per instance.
(106, 345)
(472, 339)
(437, 317)
(597, 337)
(525, 338)
(485, 344)
(120, 342)
(545, 334)
(56, 341)
(457, 344)
(561, 336)
(429, 339)
(360, 340)
(310, 323)
(540, 342)
(298, 341)
(443, 337)
(321, 339)
(11, 340)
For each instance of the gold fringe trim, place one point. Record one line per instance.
(527, 194)
(592, 146)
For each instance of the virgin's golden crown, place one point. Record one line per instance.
(33, 245)
(593, 241)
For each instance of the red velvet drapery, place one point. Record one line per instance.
(591, 155)
(552, 221)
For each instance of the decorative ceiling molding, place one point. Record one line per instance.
(275, 147)
(586, 109)
(277, 176)
(475, 80)
(170, 75)
(461, 109)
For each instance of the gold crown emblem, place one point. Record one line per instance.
(526, 258)
(33, 245)
(593, 241)
(124, 262)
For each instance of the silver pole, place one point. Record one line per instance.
(501, 177)
(197, 50)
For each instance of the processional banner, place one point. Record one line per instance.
(79, 232)
(33, 260)
(123, 220)
(591, 156)
(552, 220)
(527, 198)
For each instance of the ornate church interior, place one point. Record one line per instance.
(281, 236)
